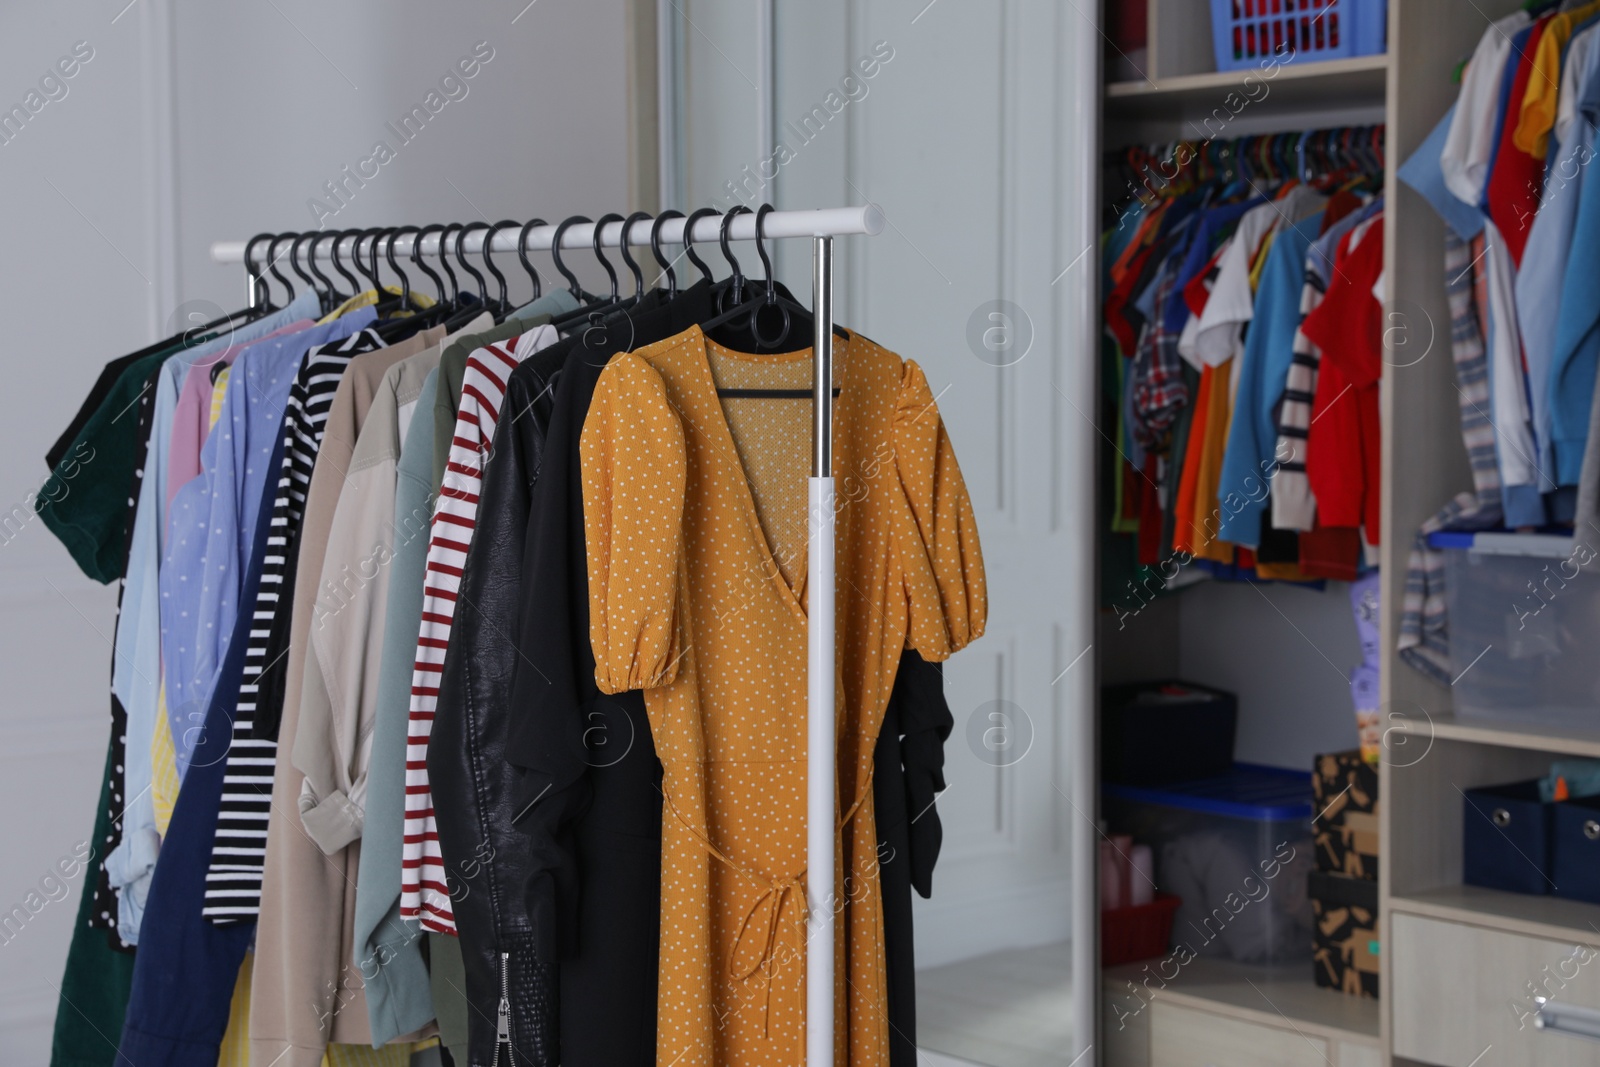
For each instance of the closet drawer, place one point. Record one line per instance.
(1458, 989)
(1182, 1037)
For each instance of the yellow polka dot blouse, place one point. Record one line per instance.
(695, 514)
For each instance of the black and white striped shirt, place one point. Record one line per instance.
(233, 881)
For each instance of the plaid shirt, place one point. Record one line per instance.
(1159, 392)
(1424, 640)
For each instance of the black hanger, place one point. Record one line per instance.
(655, 250)
(338, 261)
(272, 266)
(555, 254)
(446, 232)
(688, 239)
(335, 298)
(734, 283)
(598, 306)
(367, 263)
(627, 256)
(461, 235)
(311, 282)
(522, 254)
(767, 300)
(418, 262)
(260, 291)
(466, 309)
(438, 282)
(501, 306)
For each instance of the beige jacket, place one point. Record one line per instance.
(338, 703)
(304, 994)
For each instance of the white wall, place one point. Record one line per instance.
(1287, 652)
(195, 122)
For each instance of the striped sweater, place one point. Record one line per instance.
(424, 893)
(233, 881)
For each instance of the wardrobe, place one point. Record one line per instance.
(1452, 957)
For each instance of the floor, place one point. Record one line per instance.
(1006, 1009)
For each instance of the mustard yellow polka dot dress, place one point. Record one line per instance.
(695, 509)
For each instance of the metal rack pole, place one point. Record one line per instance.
(820, 767)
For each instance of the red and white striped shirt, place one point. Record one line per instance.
(424, 894)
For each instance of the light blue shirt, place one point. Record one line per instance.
(1570, 385)
(136, 667)
(212, 523)
(1423, 173)
(387, 948)
(1248, 462)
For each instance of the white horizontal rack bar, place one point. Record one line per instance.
(866, 219)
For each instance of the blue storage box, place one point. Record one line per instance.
(1237, 849)
(1257, 33)
(1575, 844)
(1505, 838)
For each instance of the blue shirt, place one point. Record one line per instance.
(136, 669)
(1423, 173)
(1248, 462)
(213, 520)
(1570, 388)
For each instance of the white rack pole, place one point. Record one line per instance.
(831, 222)
(820, 772)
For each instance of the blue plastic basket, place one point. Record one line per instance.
(1246, 33)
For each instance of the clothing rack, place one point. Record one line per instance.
(822, 226)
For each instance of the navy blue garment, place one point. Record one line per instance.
(186, 968)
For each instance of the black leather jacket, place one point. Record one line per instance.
(510, 990)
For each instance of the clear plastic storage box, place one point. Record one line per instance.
(1237, 850)
(1524, 613)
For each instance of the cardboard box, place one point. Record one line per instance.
(1345, 815)
(1345, 933)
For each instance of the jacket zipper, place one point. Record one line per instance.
(502, 1032)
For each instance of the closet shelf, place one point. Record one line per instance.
(1344, 83)
(1264, 995)
(1549, 917)
(1537, 737)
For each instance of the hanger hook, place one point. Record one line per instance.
(688, 238)
(488, 240)
(772, 290)
(272, 264)
(417, 261)
(483, 290)
(522, 254)
(260, 292)
(627, 257)
(655, 249)
(294, 262)
(311, 260)
(555, 253)
(761, 250)
(338, 261)
(611, 272)
(372, 236)
(727, 253)
(446, 232)
(388, 254)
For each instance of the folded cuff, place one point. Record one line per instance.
(333, 822)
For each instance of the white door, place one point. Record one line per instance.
(973, 125)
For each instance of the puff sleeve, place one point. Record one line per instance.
(634, 471)
(938, 534)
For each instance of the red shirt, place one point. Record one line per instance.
(1517, 177)
(1342, 446)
